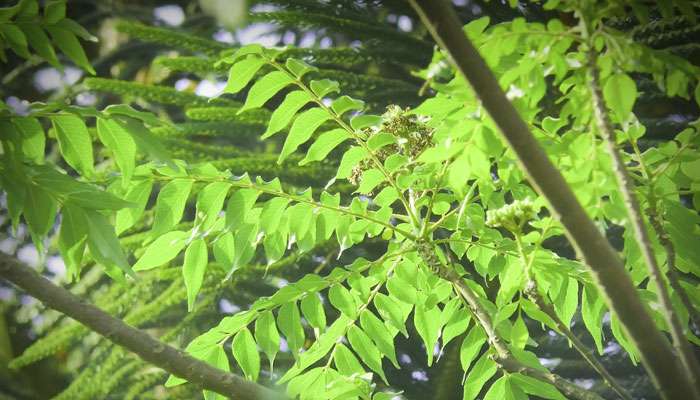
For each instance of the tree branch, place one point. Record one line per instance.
(634, 214)
(139, 342)
(504, 358)
(606, 267)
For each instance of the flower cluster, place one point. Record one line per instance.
(512, 216)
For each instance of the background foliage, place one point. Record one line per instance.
(341, 176)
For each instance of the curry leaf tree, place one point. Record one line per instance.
(437, 186)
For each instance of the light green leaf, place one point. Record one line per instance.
(242, 72)
(323, 87)
(343, 104)
(196, 260)
(246, 354)
(74, 142)
(620, 93)
(264, 89)
(239, 204)
(223, 250)
(324, 145)
(121, 144)
(380, 334)
(379, 140)
(144, 139)
(170, 205)
(497, 391)
(312, 308)
(345, 361)
(483, 371)
(592, 308)
(15, 38)
(536, 387)
(519, 333)
(370, 180)
(284, 113)
(455, 326)
(70, 46)
(33, 138)
(162, 250)
(401, 290)
(301, 216)
(366, 349)
(364, 121)
(289, 322)
(391, 311)
(267, 336)
(471, 346)
(39, 212)
(298, 68)
(210, 200)
(103, 243)
(343, 300)
(427, 322)
(137, 194)
(217, 358)
(272, 214)
(350, 159)
(72, 238)
(302, 129)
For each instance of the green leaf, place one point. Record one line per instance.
(72, 238)
(302, 129)
(289, 322)
(70, 46)
(401, 290)
(15, 38)
(536, 387)
(350, 159)
(40, 43)
(620, 93)
(284, 113)
(264, 89)
(74, 142)
(312, 308)
(519, 333)
(471, 346)
(144, 139)
(170, 205)
(242, 72)
(33, 138)
(196, 260)
(103, 243)
(267, 336)
(379, 140)
(390, 310)
(475, 28)
(343, 300)
(302, 217)
(121, 144)
(380, 334)
(239, 204)
(483, 370)
(455, 326)
(343, 104)
(324, 145)
(217, 358)
(210, 200)
(137, 194)
(54, 11)
(370, 180)
(364, 121)
(497, 391)
(162, 250)
(272, 214)
(223, 250)
(366, 349)
(346, 362)
(299, 68)
(592, 308)
(39, 211)
(323, 87)
(427, 322)
(246, 354)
